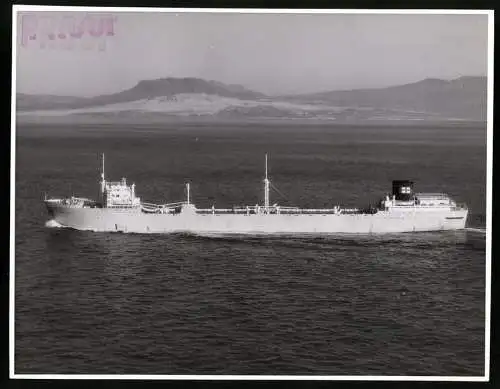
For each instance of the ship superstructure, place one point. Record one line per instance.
(119, 209)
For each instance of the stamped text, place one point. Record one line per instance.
(85, 31)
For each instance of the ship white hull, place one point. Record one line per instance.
(134, 221)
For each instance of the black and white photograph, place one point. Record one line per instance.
(251, 194)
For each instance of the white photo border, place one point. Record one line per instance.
(489, 183)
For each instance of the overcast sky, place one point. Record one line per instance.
(274, 54)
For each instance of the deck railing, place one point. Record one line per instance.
(162, 208)
(168, 205)
(252, 210)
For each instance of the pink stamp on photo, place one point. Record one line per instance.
(84, 31)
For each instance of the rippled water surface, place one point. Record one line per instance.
(408, 304)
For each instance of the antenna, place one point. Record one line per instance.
(187, 188)
(102, 173)
(103, 180)
(266, 190)
(266, 166)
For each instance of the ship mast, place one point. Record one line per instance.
(103, 180)
(266, 190)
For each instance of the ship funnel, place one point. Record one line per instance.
(402, 190)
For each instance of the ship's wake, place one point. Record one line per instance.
(479, 230)
(53, 224)
(432, 236)
(395, 241)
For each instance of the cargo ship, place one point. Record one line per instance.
(118, 209)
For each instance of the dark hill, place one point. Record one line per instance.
(146, 89)
(464, 97)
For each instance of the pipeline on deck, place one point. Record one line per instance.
(174, 208)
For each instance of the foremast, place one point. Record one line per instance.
(266, 190)
(103, 180)
(117, 194)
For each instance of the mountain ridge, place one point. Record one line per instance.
(428, 81)
(144, 89)
(463, 98)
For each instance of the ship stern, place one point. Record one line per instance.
(456, 219)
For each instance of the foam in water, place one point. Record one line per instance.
(53, 224)
(480, 230)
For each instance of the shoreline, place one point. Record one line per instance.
(157, 122)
